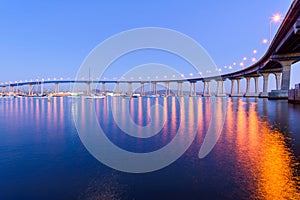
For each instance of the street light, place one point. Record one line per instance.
(264, 41)
(275, 19)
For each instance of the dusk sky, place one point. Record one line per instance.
(41, 39)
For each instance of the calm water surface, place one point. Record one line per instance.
(256, 156)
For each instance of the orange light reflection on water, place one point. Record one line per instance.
(276, 167)
(262, 155)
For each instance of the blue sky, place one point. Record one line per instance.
(41, 39)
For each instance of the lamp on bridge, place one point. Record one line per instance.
(264, 41)
(275, 19)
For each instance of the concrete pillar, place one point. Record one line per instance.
(223, 87)
(256, 85)
(237, 93)
(88, 88)
(117, 92)
(206, 88)
(265, 85)
(247, 86)
(167, 88)
(232, 86)
(277, 77)
(218, 88)
(192, 88)
(286, 74)
(142, 89)
(103, 88)
(238, 86)
(179, 89)
(248, 93)
(129, 92)
(282, 92)
(154, 88)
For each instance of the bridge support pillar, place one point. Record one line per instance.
(277, 77)
(282, 92)
(239, 87)
(265, 93)
(103, 88)
(142, 90)
(154, 88)
(222, 93)
(117, 91)
(129, 92)
(232, 87)
(88, 88)
(206, 88)
(237, 94)
(286, 74)
(167, 88)
(247, 87)
(179, 88)
(248, 93)
(192, 88)
(256, 86)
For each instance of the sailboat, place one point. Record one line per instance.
(93, 96)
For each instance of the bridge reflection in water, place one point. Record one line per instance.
(256, 156)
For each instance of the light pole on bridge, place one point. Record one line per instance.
(275, 19)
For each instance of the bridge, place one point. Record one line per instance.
(282, 53)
